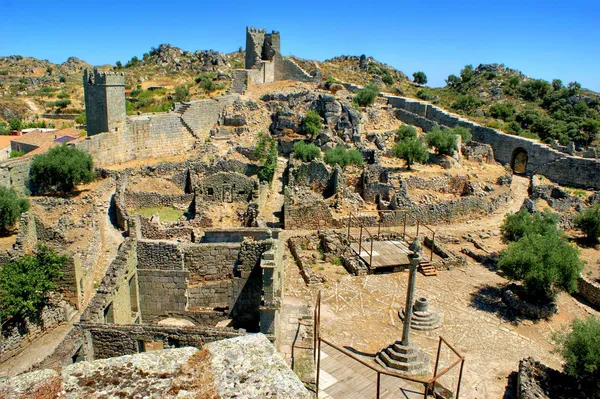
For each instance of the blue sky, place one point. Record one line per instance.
(544, 39)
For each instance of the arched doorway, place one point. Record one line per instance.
(518, 161)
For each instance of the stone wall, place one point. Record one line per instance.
(292, 71)
(210, 294)
(159, 255)
(238, 234)
(309, 276)
(143, 199)
(201, 116)
(227, 187)
(214, 261)
(590, 290)
(542, 159)
(304, 209)
(161, 292)
(112, 340)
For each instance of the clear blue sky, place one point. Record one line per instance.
(544, 39)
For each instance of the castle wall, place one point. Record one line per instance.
(542, 159)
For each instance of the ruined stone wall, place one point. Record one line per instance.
(210, 294)
(15, 173)
(292, 71)
(227, 187)
(214, 261)
(159, 255)
(104, 94)
(237, 234)
(111, 340)
(117, 296)
(161, 292)
(142, 199)
(305, 210)
(542, 159)
(590, 290)
(153, 231)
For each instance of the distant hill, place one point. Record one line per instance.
(492, 94)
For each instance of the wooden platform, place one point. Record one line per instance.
(341, 377)
(386, 254)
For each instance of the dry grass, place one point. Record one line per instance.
(196, 376)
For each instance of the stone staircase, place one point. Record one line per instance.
(423, 318)
(409, 359)
(181, 108)
(427, 269)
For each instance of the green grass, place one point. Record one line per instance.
(166, 213)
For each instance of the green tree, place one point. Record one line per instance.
(11, 207)
(588, 221)
(26, 282)
(467, 103)
(467, 73)
(343, 157)
(581, 350)
(265, 151)
(453, 81)
(411, 150)
(15, 124)
(119, 65)
(463, 132)
(311, 122)
(419, 78)
(367, 95)
(61, 169)
(81, 119)
(504, 111)
(406, 132)
(517, 225)
(306, 152)
(443, 140)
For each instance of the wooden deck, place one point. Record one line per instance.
(391, 253)
(341, 377)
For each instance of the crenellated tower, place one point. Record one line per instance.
(104, 94)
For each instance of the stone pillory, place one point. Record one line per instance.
(104, 94)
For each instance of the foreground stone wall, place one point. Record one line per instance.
(590, 290)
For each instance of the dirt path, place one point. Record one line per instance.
(272, 212)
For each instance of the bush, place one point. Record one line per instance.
(15, 124)
(81, 119)
(588, 221)
(181, 93)
(453, 81)
(424, 95)
(62, 79)
(61, 169)
(419, 78)
(544, 263)
(463, 132)
(343, 157)
(119, 65)
(387, 78)
(581, 350)
(133, 62)
(26, 282)
(444, 141)
(16, 154)
(266, 152)
(504, 111)
(518, 225)
(366, 96)
(411, 150)
(63, 95)
(467, 104)
(11, 207)
(406, 132)
(59, 103)
(311, 123)
(306, 152)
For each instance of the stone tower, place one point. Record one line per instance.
(261, 46)
(104, 94)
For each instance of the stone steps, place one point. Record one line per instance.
(406, 359)
(427, 269)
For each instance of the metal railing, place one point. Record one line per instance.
(405, 236)
(428, 384)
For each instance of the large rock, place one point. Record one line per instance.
(250, 367)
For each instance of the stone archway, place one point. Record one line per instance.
(518, 160)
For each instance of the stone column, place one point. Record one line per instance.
(414, 258)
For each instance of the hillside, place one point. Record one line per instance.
(491, 94)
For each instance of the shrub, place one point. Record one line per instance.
(119, 65)
(444, 141)
(463, 132)
(387, 78)
(343, 157)
(181, 93)
(581, 350)
(518, 225)
(588, 221)
(544, 263)
(366, 96)
(311, 123)
(306, 152)
(467, 73)
(411, 150)
(26, 282)
(61, 169)
(59, 103)
(453, 81)
(133, 62)
(62, 79)
(266, 152)
(15, 124)
(11, 207)
(467, 104)
(81, 119)
(419, 78)
(16, 154)
(504, 111)
(63, 95)
(406, 132)
(424, 95)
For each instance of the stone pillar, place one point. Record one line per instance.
(414, 258)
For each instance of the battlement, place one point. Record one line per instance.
(99, 78)
(251, 29)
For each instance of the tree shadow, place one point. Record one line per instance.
(510, 392)
(489, 299)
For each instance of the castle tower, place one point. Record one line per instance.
(104, 94)
(255, 39)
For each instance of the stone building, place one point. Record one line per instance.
(104, 94)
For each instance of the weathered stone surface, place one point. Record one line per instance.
(250, 367)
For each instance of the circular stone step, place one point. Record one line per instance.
(423, 317)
